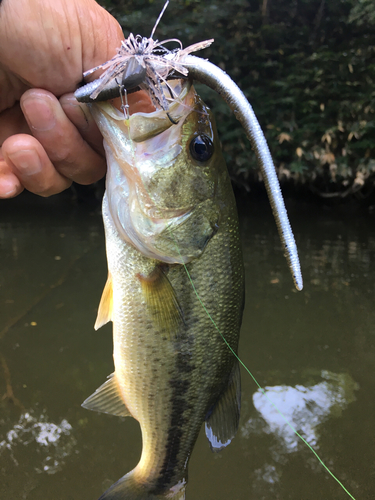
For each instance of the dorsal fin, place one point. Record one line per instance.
(105, 305)
(222, 423)
(162, 301)
(107, 399)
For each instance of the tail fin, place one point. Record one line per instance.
(128, 488)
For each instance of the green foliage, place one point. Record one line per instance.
(306, 66)
(363, 12)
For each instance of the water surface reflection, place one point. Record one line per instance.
(313, 352)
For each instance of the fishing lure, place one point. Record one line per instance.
(144, 63)
(140, 64)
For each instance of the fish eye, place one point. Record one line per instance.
(201, 147)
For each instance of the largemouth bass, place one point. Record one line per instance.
(169, 204)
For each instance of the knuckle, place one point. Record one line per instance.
(50, 187)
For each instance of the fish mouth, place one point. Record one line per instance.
(139, 102)
(145, 121)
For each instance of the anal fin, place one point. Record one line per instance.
(107, 399)
(161, 301)
(105, 305)
(222, 423)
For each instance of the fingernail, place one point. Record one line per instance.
(39, 114)
(7, 188)
(26, 161)
(78, 113)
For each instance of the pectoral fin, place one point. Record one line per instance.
(162, 301)
(106, 305)
(107, 399)
(222, 423)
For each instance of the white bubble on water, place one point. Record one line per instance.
(48, 443)
(305, 408)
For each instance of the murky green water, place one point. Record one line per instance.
(312, 351)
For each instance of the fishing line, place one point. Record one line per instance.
(252, 376)
(238, 358)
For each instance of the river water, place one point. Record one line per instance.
(313, 352)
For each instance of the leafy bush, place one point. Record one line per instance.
(306, 66)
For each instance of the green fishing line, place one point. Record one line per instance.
(255, 380)
(237, 357)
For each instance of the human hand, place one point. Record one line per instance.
(47, 138)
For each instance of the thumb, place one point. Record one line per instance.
(59, 40)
